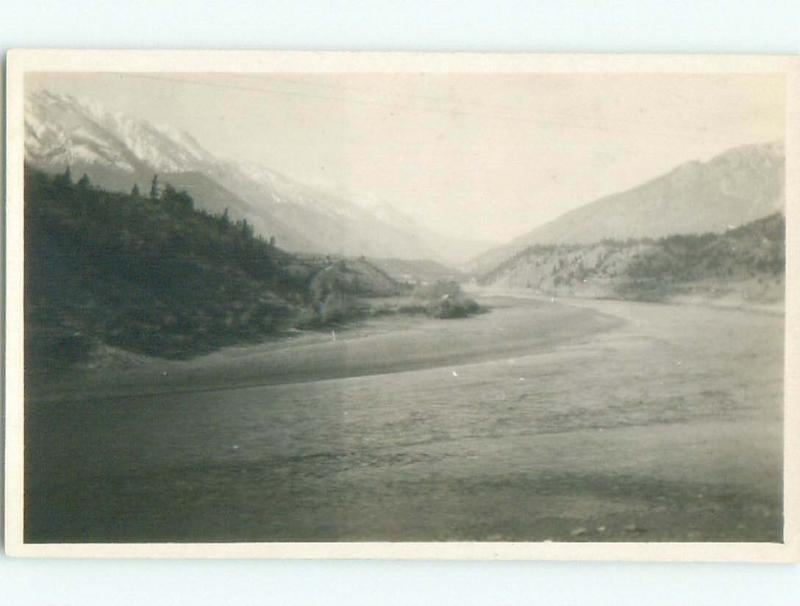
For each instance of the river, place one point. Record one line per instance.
(540, 420)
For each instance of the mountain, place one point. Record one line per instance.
(61, 130)
(742, 265)
(731, 189)
(117, 151)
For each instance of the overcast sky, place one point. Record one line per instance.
(481, 156)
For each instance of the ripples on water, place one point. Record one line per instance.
(646, 432)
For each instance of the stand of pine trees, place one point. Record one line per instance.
(152, 275)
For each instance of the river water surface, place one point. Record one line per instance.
(590, 420)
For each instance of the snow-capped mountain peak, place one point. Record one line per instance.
(63, 129)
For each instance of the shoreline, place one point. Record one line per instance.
(772, 309)
(411, 344)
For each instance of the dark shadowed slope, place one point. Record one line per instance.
(155, 276)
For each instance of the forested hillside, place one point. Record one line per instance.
(149, 273)
(745, 263)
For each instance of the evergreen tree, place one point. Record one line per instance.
(154, 188)
(247, 229)
(168, 193)
(84, 182)
(65, 180)
(135, 191)
(176, 200)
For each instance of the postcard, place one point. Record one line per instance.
(400, 305)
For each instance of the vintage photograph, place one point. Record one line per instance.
(398, 305)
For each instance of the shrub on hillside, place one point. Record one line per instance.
(437, 290)
(444, 299)
(334, 308)
(448, 307)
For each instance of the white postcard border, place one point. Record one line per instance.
(20, 62)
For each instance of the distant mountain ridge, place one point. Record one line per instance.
(423, 271)
(733, 188)
(117, 150)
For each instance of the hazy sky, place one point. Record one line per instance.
(482, 156)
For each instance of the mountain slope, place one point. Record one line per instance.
(157, 277)
(216, 198)
(744, 264)
(734, 188)
(418, 271)
(117, 151)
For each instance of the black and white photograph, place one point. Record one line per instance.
(316, 299)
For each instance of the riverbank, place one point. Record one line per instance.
(374, 346)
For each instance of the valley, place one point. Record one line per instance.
(216, 351)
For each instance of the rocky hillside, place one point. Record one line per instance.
(744, 264)
(734, 188)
